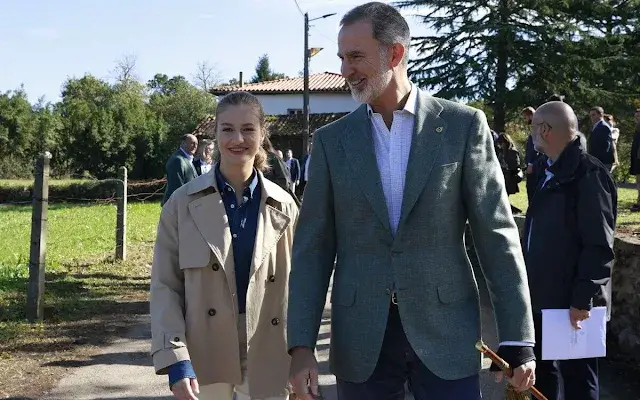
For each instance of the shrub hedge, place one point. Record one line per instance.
(84, 191)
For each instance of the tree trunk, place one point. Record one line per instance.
(502, 58)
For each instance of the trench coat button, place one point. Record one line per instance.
(275, 321)
(212, 312)
(216, 266)
(272, 278)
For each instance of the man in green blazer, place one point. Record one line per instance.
(179, 167)
(391, 188)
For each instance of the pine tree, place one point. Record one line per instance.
(510, 53)
(264, 72)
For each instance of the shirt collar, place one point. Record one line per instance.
(598, 123)
(410, 106)
(223, 184)
(189, 156)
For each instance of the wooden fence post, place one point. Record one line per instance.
(38, 251)
(121, 220)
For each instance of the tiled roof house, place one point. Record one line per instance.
(329, 99)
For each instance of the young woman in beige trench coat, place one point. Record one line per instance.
(219, 281)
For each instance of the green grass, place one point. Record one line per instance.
(74, 232)
(627, 222)
(83, 283)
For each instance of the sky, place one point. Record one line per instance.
(44, 42)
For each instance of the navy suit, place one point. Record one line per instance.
(303, 171)
(294, 170)
(530, 157)
(601, 144)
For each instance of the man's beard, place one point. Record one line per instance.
(375, 85)
(539, 147)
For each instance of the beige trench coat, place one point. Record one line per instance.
(194, 309)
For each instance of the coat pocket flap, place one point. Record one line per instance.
(343, 296)
(197, 259)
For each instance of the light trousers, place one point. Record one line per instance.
(228, 391)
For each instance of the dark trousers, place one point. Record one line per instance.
(565, 379)
(397, 364)
(300, 188)
(532, 182)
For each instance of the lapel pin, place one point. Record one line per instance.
(439, 129)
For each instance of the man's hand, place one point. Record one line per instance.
(529, 169)
(304, 373)
(576, 316)
(186, 389)
(524, 377)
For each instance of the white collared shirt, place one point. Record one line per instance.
(189, 156)
(204, 167)
(306, 168)
(392, 147)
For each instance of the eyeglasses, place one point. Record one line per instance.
(545, 123)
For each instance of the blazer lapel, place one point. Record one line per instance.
(271, 224)
(361, 157)
(210, 217)
(429, 132)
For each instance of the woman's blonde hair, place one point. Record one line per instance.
(245, 98)
(505, 138)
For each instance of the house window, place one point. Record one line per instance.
(294, 111)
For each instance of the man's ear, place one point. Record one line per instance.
(397, 54)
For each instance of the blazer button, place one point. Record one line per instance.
(176, 339)
(216, 266)
(272, 278)
(275, 321)
(212, 312)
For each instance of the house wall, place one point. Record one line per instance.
(279, 104)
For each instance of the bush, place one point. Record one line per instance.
(13, 167)
(83, 191)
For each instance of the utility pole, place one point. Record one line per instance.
(305, 96)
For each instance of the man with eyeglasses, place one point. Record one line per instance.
(568, 244)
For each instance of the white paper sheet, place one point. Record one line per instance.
(561, 342)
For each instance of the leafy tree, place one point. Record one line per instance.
(264, 72)
(17, 134)
(180, 105)
(514, 52)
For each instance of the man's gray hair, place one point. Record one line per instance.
(389, 26)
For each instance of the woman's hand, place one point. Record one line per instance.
(186, 389)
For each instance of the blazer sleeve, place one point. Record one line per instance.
(297, 170)
(530, 152)
(496, 235)
(314, 252)
(168, 341)
(596, 209)
(175, 174)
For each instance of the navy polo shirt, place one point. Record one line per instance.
(243, 223)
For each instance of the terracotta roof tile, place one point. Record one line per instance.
(323, 82)
(278, 125)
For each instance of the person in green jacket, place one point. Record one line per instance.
(179, 167)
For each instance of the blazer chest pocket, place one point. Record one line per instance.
(445, 177)
(446, 169)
